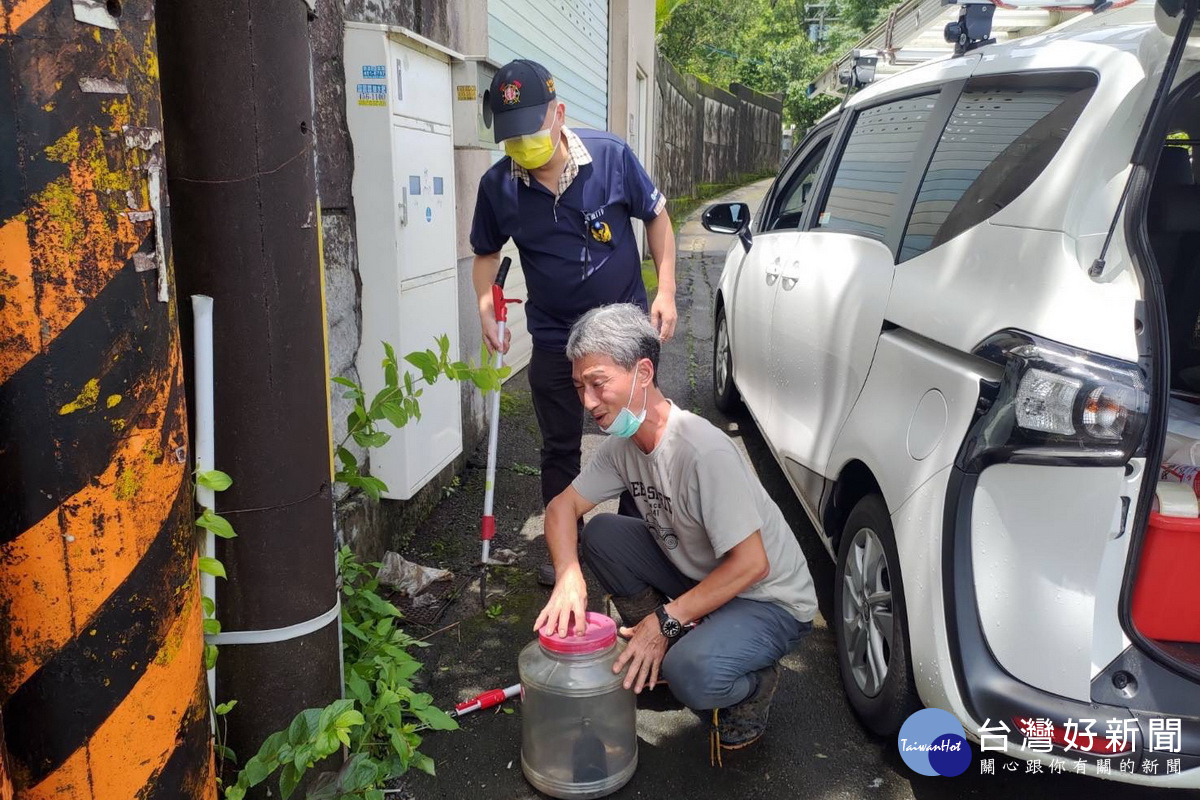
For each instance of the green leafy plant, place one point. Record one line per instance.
(455, 485)
(380, 722)
(379, 672)
(398, 402)
(222, 751)
(525, 469)
(662, 12)
(494, 611)
(315, 734)
(210, 520)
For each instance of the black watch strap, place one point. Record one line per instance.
(668, 625)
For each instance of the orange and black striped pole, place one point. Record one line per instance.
(101, 680)
(6, 787)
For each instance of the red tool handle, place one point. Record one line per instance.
(499, 302)
(488, 699)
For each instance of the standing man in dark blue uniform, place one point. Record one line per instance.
(567, 199)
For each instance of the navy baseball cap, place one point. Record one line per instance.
(517, 98)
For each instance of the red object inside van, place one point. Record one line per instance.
(1166, 597)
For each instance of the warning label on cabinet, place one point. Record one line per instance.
(372, 94)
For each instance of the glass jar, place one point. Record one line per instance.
(578, 723)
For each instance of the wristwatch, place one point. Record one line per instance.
(668, 625)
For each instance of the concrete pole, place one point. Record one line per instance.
(101, 679)
(238, 103)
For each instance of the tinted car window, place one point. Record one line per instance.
(1001, 135)
(872, 168)
(794, 196)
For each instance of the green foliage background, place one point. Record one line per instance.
(763, 44)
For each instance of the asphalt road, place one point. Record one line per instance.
(814, 748)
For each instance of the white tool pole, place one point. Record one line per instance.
(493, 441)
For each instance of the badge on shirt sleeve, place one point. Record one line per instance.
(600, 231)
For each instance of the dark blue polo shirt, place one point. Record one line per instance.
(578, 252)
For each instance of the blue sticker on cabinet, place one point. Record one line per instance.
(372, 94)
(414, 185)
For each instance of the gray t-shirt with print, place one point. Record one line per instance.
(700, 499)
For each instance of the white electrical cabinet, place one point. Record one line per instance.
(399, 104)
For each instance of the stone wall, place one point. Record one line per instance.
(709, 135)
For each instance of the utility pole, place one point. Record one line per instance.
(238, 104)
(6, 787)
(101, 679)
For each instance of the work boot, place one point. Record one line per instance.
(744, 724)
(635, 608)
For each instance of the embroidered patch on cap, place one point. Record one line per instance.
(550, 85)
(510, 93)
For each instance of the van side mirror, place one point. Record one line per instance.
(729, 218)
(1167, 16)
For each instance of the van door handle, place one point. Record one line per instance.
(773, 274)
(790, 281)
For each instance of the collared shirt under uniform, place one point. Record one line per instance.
(577, 246)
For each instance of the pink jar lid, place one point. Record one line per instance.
(601, 633)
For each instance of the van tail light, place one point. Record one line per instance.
(1055, 405)
(1094, 742)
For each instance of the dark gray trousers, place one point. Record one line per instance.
(712, 665)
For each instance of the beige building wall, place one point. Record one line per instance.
(631, 59)
(631, 75)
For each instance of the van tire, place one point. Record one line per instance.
(725, 394)
(882, 706)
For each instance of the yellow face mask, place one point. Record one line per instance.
(531, 151)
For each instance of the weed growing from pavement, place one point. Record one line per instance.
(380, 721)
(650, 277)
(515, 403)
(693, 367)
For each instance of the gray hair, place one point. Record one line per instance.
(621, 331)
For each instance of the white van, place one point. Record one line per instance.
(959, 319)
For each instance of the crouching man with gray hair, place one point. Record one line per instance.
(711, 584)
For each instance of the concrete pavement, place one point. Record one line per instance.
(815, 747)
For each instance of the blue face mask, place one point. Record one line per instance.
(627, 423)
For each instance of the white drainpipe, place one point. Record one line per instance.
(202, 311)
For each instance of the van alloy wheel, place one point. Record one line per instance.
(867, 612)
(721, 358)
(870, 621)
(725, 394)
